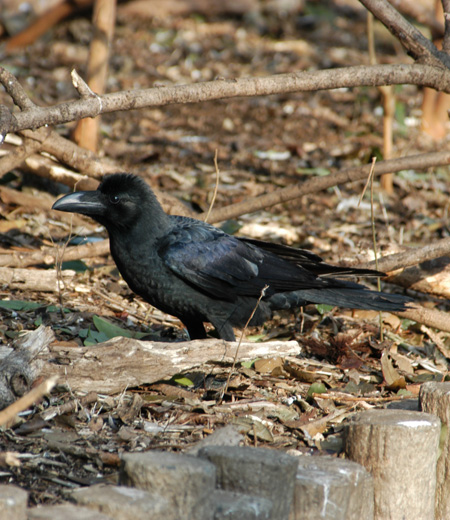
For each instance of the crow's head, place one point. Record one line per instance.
(120, 201)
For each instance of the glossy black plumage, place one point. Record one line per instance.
(198, 273)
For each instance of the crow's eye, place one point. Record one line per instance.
(114, 199)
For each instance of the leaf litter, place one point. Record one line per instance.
(71, 440)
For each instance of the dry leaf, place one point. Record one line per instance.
(394, 380)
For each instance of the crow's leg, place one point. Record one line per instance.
(196, 329)
(225, 331)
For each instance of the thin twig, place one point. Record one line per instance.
(261, 296)
(7, 415)
(216, 188)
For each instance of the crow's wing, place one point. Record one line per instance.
(225, 267)
(308, 260)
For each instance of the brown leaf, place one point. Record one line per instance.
(269, 366)
(394, 380)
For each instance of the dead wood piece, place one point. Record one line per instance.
(72, 155)
(21, 367)
(8, 415)
(124, 363)
(320, 183)
(35, 280)
(70, 406)
(400, 449)
(44, 22)
(49, 169)
(43, 201)
(430, 317)
(411, 257)
(47, 255)
(431, 277)
(127, 411)
(86, 133)
(435, 398)
(15, 158)
(165, 8)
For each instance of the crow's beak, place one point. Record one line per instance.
(84, 202)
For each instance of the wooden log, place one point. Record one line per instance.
(35, 280)
(121, 363)
(22, 366)
(400, 449)
(332, 489)
(435, 398)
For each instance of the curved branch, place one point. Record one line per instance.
(423, 75)
(419, 162)
(415, 43)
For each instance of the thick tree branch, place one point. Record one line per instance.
(446, 42)
(33, 116)
(415, 43)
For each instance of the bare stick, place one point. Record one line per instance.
(216, 187)
(430, 317)
(418, 162)
(104, 16)
(412, 256)
(411, 38)
(423, 75)
(446, 42)
(261, 296)
(7, 415)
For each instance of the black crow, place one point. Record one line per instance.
(199, 273)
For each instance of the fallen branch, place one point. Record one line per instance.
(417, 162)
(411, 256)
(33, 280)
(124, 363)
(33, 396)
(431, 317)
(47, 255)
(21, 367)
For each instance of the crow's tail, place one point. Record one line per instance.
(354, 297)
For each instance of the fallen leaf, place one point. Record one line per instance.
(394, 380)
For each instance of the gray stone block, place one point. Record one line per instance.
(332, 489)
(124, 503)
(255, 471)
(186, 482)
(13, 502)
(237, 506)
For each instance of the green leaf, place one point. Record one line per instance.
(256, 338)
(184, 381)
(323, 308)
(57, 308)
(95, 337)
(321, 172)
(75, 265)
(316, 388)
(111, 330)
(249, 363)
(19, 305)
(38, 321)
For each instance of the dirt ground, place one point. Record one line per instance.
(262, 144)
